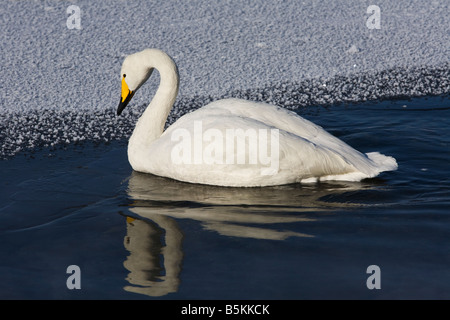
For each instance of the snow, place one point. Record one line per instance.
(62, 85)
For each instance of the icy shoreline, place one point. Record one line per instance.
(23, 132)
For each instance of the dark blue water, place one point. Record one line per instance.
(137, 236)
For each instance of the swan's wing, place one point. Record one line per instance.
(370, 164)
(306, 152)
(197, 149)
(269, 114)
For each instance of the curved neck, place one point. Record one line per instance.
(150, 125)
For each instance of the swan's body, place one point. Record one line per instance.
(301, 150)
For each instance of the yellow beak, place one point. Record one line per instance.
(126, 96)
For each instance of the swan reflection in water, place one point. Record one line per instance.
(154, 239)
(143, 241)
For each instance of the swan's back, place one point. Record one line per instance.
(306, 152)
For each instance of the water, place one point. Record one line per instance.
(137, 236)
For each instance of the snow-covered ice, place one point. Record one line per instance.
(62, 85)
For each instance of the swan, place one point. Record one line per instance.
(233, 142)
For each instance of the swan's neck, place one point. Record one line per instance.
(150, 125)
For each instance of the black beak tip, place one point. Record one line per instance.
(119, 111)
(123, 104)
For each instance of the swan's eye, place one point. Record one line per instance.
(124, 75)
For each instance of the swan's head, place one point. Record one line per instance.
(133, 73)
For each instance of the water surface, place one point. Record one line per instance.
(138, 236)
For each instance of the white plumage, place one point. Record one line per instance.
(277, 146)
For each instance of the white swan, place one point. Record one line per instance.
(233, 142)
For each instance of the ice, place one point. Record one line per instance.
(61, 86)
(353, 49)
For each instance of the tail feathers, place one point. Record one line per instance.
(383, 163)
